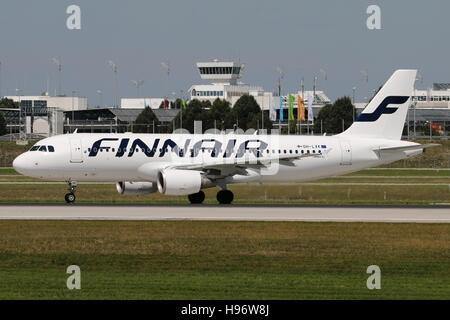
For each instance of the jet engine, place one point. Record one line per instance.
(135, 188)
(173, 182)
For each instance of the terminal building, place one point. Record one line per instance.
(45, 115)
(41, 115)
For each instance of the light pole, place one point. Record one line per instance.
(262, 113)
(167, 67)
(280, 71)
(326, 78)
(138, 83)
(99, 92)
(20, 114)
(58, 63)
(354, 89)
(365, 73)
(0, 78)
(181, 110)
(114, 68)
(73, 95)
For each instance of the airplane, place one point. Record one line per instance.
(185, 164)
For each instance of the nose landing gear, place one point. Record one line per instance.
(70, 197)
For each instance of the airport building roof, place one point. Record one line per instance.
(121, 115)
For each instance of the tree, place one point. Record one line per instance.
(145, 120)
(332, 115)
(221, 113)
(3, 130)
(8, 103)
(195, 110)
(247, 114)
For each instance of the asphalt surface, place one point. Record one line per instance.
(439, 214)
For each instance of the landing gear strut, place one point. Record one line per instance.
(197, 198)
(225, 196)
(70, 197)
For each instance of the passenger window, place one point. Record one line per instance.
(34, 148)
(51, 149)
(43, 148)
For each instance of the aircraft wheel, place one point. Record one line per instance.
(196, 198)
(70, 197)
(225, 196)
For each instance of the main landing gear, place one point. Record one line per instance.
(197, 198)
(224, 196)
(70, 197)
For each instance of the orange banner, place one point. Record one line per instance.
(301, 109)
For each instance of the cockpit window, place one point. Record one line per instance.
(34, 148)
(43, 148)
(51, 149)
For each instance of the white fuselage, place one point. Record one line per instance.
(139, 157)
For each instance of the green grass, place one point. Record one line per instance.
(274, 193)
(223, 260)
(401, 172)
(8, 171)
(9, 150)
(435, 157)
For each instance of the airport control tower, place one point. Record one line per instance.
(220, 72)
(223, 79)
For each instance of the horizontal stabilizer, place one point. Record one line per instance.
(406, 148)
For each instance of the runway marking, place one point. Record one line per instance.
(226, 213)
(299, 183)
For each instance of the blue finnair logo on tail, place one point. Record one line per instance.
(383, 108)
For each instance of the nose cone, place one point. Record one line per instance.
(21, 164)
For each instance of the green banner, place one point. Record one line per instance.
(291, 107)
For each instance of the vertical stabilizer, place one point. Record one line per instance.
(384, 116)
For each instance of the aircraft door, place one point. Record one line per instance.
(346, 153)
(76, 154)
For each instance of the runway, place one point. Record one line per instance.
(225, 213)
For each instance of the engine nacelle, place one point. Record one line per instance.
(136, 188)
(173, 182)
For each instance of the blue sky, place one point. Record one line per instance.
(299, 36)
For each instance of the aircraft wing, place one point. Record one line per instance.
(234, 166)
